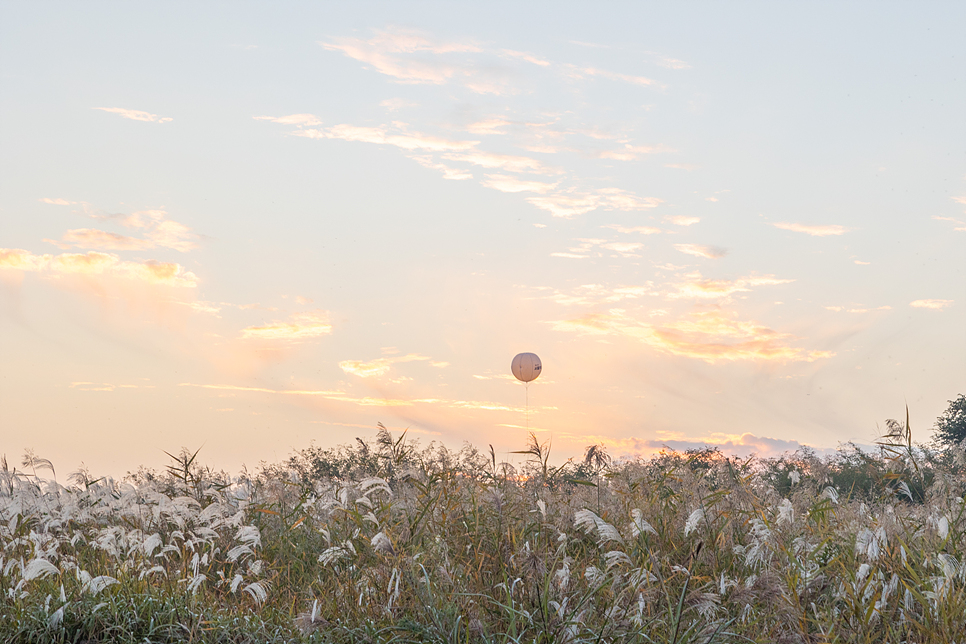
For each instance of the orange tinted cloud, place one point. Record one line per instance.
(641, 230)
(135, 115)
(95, 263)
(960, 225)
(507, 183)
(56, 202)
(937, 305)
(368, 401)
(680, 220)
(709, 289)
(565, 205)
(488, 126)
(292, 119)
(382, 136)
(595, 294)
(672, 63)
(530, 58)
(158, 231)
(93, 238)
(710, 336)
(624, 249)
(582, 72)
(617, 199)
(377, 367)
(301, 326)
(454, 174)
(631, 152)
(815, 231)
(506, 162)
(386, 54)
(568, 205)
(709, 252)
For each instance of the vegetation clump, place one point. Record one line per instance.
(388, 541)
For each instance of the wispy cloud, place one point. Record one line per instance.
(640, 230)
(135, 115)
(396, 104)
(624, 249)
(696, 287)
(365, 401)
(530, 58)
(937, 305)
(488, 126)
(859, 309)
(580, 73)
(709, 252)
(390, 52)
(300, 326)
(337, 395)
(383, 136)
(681, 220)
(505, 162)
(96, 263)
(598, 294)
(618, 199)
(711, 336)
(672, 63)
(104, 386)
(507, 183)
(377, 367)
(960, 225)
(632, 152)
(815, 231)
(93, 238)
(158, 232)
(57, 202)
(292, 119)
(455, 174)
(566, 205)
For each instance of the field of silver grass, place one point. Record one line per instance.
(384, 541)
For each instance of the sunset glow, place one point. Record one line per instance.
(256, 227)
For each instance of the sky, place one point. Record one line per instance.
(253, 227)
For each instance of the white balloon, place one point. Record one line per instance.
(526, 366)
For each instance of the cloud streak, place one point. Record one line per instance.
(681, 220)
(708, 252)
(581, 73)
(300, 326)
(815, 231)
(377, 367)
(711, 336)
(135, 115)
(715, 289)
(96, 263)
(506, 183)
(402, 55)
(159, 232)
(364, 401)
(382, 136)
(936, 305)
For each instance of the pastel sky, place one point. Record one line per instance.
(251, 227)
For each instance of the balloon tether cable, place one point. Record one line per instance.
(527, 388)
